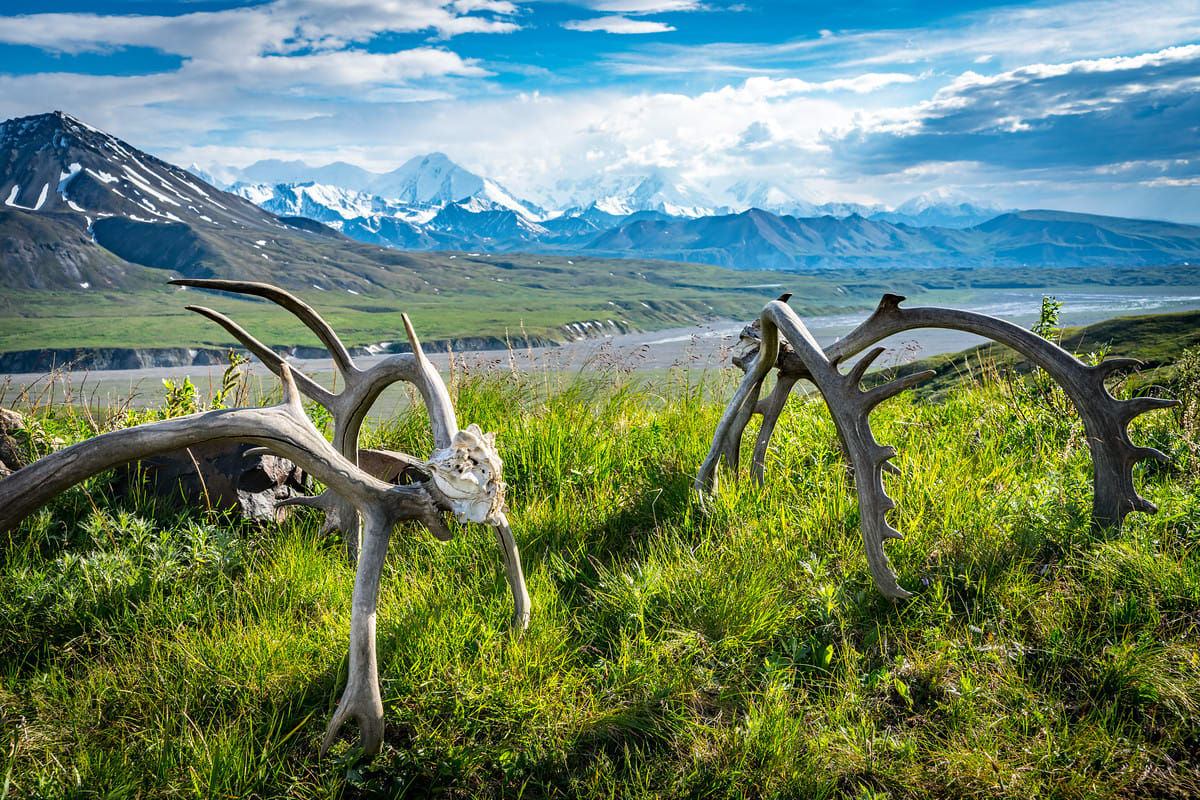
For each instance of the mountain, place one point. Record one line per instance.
(942, 208)
(339, 173)
(757, 239)
(748, 194)
(322, 202)
(86, 211)
(420, 186)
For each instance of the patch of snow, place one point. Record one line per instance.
(261, 242)
(103, 176)
(208, 219)
(85, 285)
(74, 206)
(142, 183)
(65, 177)
(42, 196)
(12, 196)
(192, 186)
(351, 291)
(264, 255)
(318, 288)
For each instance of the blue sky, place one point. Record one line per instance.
(1090, 105)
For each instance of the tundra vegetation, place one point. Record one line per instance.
(736, 648)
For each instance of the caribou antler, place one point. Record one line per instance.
(1105, 418)
(350, 407)
(850, 408)
(286, 431)
(462, 476)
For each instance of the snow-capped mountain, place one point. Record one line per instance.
(746, 194)
(83, 210)
(941, 207)
(54, 162)
(416, 190)
(661, 190)
(322, 202)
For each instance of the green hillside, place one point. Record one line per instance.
(676, 650)
(1155, 339)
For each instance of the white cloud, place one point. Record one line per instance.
(642, 6)
(279, 27)
(617, 24)
(1006, 37)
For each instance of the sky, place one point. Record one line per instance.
(1085, 105)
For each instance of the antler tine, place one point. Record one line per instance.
(433, 391)
(303, 311)
(1111, 365)
(270, 359)
(1128, 409)
(877, 395)
(860, 368)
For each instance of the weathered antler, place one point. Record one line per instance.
(850, 408)
(350, 407)
(286, 431)
(1105, 418)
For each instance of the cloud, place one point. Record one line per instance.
(617, 25)
(1084, 113)
(1006, 37)
(279, 27)
(642, 6)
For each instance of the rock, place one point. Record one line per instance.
(219, 475)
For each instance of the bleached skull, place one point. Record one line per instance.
(468, 474)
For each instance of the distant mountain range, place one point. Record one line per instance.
(431, 203)
(82, 208)
(433, 181)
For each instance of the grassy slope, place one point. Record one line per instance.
(493, 296)
(1155, 339)
(735, 651)
(475, 296)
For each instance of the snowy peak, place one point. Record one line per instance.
(428, 180)
(313, 200)
(56, 163)
(767, 196)
(941, 207)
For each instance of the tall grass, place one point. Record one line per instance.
(733, 649)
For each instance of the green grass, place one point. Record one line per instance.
(676, 650)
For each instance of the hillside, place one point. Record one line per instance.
(1157, 340)
(675, 650)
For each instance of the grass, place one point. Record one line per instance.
(733, 649)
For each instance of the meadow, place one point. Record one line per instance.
(729, 648)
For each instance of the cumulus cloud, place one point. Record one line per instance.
(279, 27)
(1082, 113)
(1005, 37)
(641, 6)
(617, 24)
